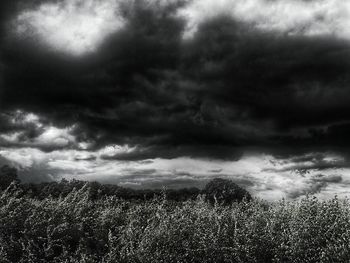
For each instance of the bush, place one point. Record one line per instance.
(225, 192)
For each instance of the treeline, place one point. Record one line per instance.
(98, 190)
(220, 190)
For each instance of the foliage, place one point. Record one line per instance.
(224, 191)
(64, 187)
(76, 228)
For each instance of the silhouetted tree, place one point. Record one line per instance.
(224, 192)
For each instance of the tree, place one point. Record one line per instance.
(7, 176)
(224, 192)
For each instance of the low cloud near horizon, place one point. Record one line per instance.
(324, 174)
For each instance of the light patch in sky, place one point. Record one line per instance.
(113, 150)
(261, 174)
(56, 137)
(73, 26)
(318, 17)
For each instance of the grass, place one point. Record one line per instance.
(77, 229)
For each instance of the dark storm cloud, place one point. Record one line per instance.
(113, 94)
(228, 88)
(15, 122)
(293, 81)
(298, 83)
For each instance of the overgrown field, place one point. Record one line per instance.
(78, 229)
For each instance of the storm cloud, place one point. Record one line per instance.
(172, 79)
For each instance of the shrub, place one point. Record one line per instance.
(224, 191)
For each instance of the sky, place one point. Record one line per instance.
(154, 93)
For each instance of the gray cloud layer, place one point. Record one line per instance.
(231, 85)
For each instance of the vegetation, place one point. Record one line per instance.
(78, 228)
(222, 190)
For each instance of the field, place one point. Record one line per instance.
(77, 229)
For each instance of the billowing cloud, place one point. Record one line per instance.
(28, 130)
(76, 27)
(315, 17)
